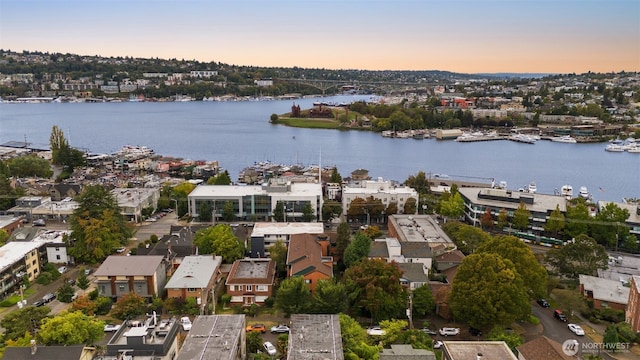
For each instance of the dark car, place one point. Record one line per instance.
(544, 303)
(39, 303)
(559, 315)
(475, 332)
(48, 297)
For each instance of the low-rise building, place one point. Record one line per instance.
(265, 234)
(307, 257)
(632, 315)
(387, 192)
(542, 348)
(315, 336)
(406, 352)
(419, 228)
(604, 293)
(250, 281)
(132, 201)
(151, 338)
(476, 350)
(121, 275)
(195, 278)
(215, 337)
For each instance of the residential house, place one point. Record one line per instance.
(313, 337)
(148, 338)
(195, 278)
(406, 352)
(216, 337)
(414, 275)
(447, 263)
(604, 293)
(250, 281)
(476, 350)
(390, 249)
(41, 352)
(121, 275)
(542, 348)
(307, 257)
(10, 223)
(633, 306)
(132, 201)
(61, 191)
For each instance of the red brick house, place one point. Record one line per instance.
(307, 257)
(604, 293)
(250, 281)
(633, 306)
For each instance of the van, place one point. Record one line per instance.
(559, 315)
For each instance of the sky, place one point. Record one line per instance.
(476, 36)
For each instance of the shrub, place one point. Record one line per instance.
(534, 320)
(44, 278)
(7, 303)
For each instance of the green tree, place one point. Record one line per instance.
(294, 296)
(453, 206)
(28, 319)
(335, 176)
(30, 165)
(392, 208)
(330, 297)
(278, 253)
(308, 214)
(219, 240)
(331, 210)
(410, 206)
(423, 302)
(205, 211)
(611, 339)
(577, 219)
(466, 237)
(222, 178)
(4, 236)
(521, 217)
(354, 340)
(374, 287)
(527, 266)
(342, 241)
(494, 296)
(556, 222)
(128, 306)
(418, 182)
(228, 213)
(503, 219)
(97, 226)
(358, 249)
(513, 339)
(356, 208)
(278, 212)
(583, 256)
(57, 141)
(65, 292)
(71, 328)
(611, 225)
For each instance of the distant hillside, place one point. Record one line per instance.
(515, 75)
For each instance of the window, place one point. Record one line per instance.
(249, 287)
(33, 262)
(121, 287)
(262, 288)
(57, 248)
(57, 257)
(192, 289)
(238, 288)
(308, 281)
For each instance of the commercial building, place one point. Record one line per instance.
(265, 234)
(258, 202)
(387, 192)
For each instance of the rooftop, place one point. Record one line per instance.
(315, 337)
(605, 289)
(116, 265)
(473, 350)
(420, 228)
(194, 272)
(214, 337)
(262, 229)
(261, 271)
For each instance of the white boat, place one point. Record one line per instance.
(532, 188)
(584, 193)
(567, 191)
(564, 139)
(614, 148)
(634, 149)
(522, 138)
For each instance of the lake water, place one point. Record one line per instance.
(237, 134)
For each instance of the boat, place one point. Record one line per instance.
(532, 188)
(567, 191)
(522, 138)
(634, 149)
(584, 193)
(614, 148)
(564, 139)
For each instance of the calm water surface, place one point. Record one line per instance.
(237, 134)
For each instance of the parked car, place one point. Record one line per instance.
(269, 348)
(375, 331)
(559, 315)
(71, 282)
(62, 269)
(121, 249)
(449, 331)
(544, 303)
(429, 331)
(39, 222)
(475, 332)
(48, 297)
(88, 271)
(111, 328)
(437, 344)
(280, 329)
(39, 303)
(576, 329)
(257, 328)
(186, 323)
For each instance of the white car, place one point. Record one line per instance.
(448, 331)
(437, 344)
(269, 348)
(62, 269)
(576, 329)
(186, 323)
(375, 331)
(110, 328)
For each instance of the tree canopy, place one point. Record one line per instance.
(221, 241)
(17, 323)
(71, 328)
(293, 296)
(358, 249)
(97, 226)
(330, 297)
(493, 295)
(583, 256)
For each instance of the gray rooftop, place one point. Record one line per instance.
(116, 265)
(215, 337)
(194, 272)
(469, 350)
(315, 337)
(419, 228)
(500, 198)
(605, 289)
(406, 352)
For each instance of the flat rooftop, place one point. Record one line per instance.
(420, 228)
(215, 337)
(314, 337)
(267, 228)
(469, 350)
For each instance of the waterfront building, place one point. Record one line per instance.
(477, 200)
(385, 191)
(258, 202)
(216, 337)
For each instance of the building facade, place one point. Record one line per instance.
(121, 275)
(250, 281)
(385, 191)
